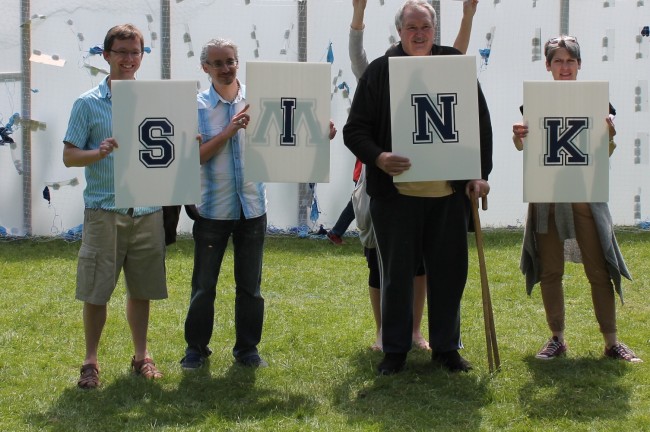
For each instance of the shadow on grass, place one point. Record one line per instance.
(422, 397)
(581, 389)
(200, 400)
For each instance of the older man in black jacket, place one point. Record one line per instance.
(418, 220)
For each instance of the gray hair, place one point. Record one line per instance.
(217, 43)
(569, 43)
(424, 4)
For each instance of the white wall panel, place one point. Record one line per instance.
(259, 28)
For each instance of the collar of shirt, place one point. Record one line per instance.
(214, 98)
(104, 89)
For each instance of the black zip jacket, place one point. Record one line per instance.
(367, 133)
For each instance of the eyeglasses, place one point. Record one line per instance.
(125, 54)
(218, 64)
(554, 42)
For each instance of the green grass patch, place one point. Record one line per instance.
(318, 328)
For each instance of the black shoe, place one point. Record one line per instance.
(392, 363)
(254, 361)
(452, 361)
(193, 361)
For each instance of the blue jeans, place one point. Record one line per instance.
(344, 221)
(210, 243)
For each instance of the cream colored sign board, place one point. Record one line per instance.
(287, 139)
(434, 117)
(566, 152)
(155, 124)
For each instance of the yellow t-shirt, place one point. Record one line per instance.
(427, 189)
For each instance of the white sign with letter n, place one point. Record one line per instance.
(155, 124)
(434, 117)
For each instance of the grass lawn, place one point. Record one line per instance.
(318, 327)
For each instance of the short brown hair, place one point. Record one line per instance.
(123, 32)
(569, 43)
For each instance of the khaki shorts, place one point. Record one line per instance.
(112, 241)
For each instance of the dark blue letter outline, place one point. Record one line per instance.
(159, 150)
(443, 121)
(288, 137)
(560, 135)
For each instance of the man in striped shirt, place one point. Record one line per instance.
(113, 238)
(230, 207)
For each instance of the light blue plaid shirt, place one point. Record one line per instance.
(90, 123)
(224, 193)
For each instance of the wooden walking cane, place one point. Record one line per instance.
(488, 316)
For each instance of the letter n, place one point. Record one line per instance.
(440, 117)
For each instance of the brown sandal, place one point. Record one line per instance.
(89, 376)
(145, 367)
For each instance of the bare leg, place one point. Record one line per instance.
(94, 318)
(610, 339)
(419, 297)
(560, 335)
(137, 314)
(375, 302)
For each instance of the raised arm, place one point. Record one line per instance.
(355, 45)
(464, 32)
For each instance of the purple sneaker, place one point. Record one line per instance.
(620, 351)
(553, 348)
